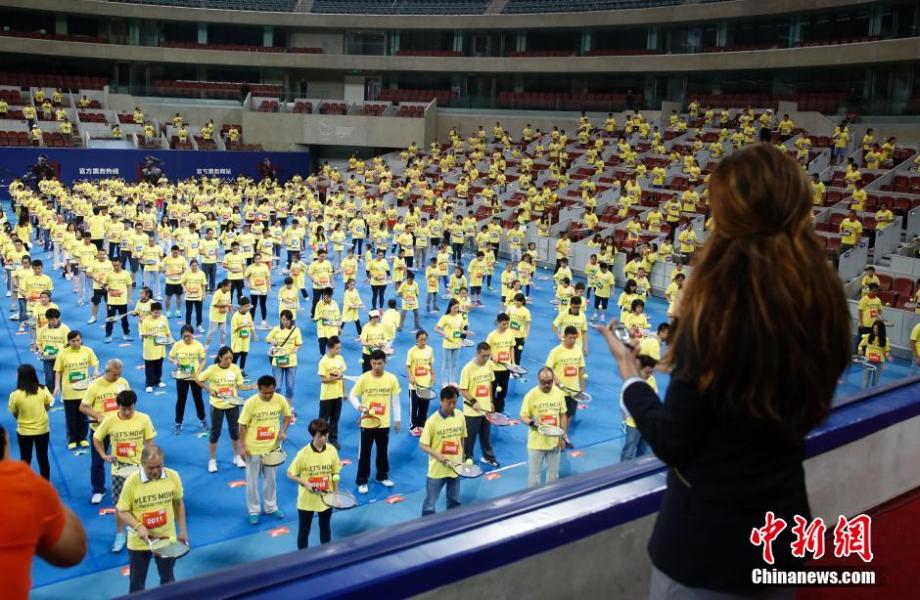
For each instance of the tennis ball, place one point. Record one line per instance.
(469, 461)
(336, 477)
(498, 388)
(172, 539)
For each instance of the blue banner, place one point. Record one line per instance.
(71, 164)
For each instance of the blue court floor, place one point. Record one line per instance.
(217, 517)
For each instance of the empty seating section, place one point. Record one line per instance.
(410, 111)
(212, 89)
(401, 7)
(373, 110)
(622, 52)
(834, 41)
(268, 106)
(303, 106)
(541, 53)
(538, 6)
(14, 138)
(65, 82)
(259, 5)
(223, 47)
(333, 108)
(86, 117)
(443, 97)
(41, 35)
(563, 101)
(56, 139)
(740, 47)
(429, 53)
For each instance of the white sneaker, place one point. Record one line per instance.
(161, 384)
(96, 499)
(91, 321)
(212, 466)
(148, 389)
(362, 489)
(238, 461)
(387, 483)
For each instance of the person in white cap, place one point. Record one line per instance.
(373, 337)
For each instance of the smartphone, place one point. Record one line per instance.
(622, 334)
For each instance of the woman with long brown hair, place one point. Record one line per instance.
(760, 339)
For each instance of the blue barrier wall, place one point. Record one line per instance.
(71, 164)
(463, 547)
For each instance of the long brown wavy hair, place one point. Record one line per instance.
(763, 325)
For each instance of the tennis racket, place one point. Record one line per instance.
(168, 547)
(368, 421)
(125, 470)
(550, 430)
(465, 343)
(424, 393)
(114, 318)
(470, 471)
(495, 418)
(81, 385)
(581, 396)
(232, 400)
(517, 371)
(180, 374)
(337, 499)
(351, 378)
(161, 340)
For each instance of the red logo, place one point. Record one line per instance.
(809, 537)
(853, 536)
(765, 535)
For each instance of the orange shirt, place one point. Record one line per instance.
(33, 517)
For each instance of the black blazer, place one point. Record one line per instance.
(725, 473)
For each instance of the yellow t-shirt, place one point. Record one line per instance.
(317, 468)
(546, 409)
(119, 285)
(371, 336)
(194, 282)
(321, 274)
(502, 344)
(409, 294)
(127, 436)
(566, 364)
(189, 356)
(915, 338)
(220, 306)
(477, 380)
(241, 327)
(871, 308)
(261, 418)
(288, 299)
(31, 411)
(444, 435)
(327, 317)
(174, 268)
(420, 362)
(326, 367)
(520, 319)
(151, 328)
(452, 326)
(101, 393)
(375, 394)
(257, 278)
(225, 381)
(51, 341)
(235, 263)
(74, 365)
(151, 503)
(290, 340)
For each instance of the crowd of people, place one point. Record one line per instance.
(208, 254)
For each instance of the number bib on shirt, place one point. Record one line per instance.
(125, 449)
(265, 433)
(75, 376)
(109, 405)
(154, 519)
(282, 360)
(548, 420)
(244, 333)
(570, 371)
(450, 447)
(483, 390)
(319, 482)
(377, 408)
(504, 356)
(420, 371)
